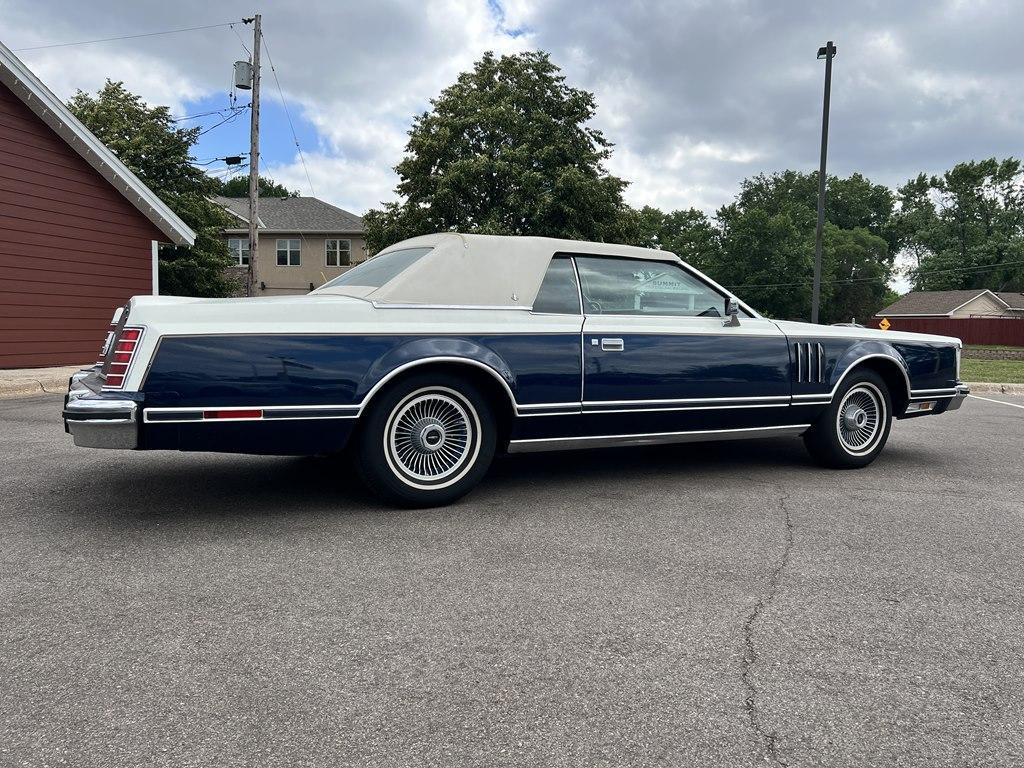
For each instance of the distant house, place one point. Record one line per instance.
(977, 316)
(78, 230)
(303, 242)
(956, 304)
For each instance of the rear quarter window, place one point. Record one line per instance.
(378, 270)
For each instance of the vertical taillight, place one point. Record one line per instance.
(121, 356)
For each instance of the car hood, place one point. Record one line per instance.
(791, 328)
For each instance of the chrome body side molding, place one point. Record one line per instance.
(652, 438)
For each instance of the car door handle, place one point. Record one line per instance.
(612, 345)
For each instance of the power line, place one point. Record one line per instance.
(229, 119)
(211, 160)
(288, 115)
(125, 37)
(240, 39)
(211, 112)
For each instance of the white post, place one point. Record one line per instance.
(156, 268)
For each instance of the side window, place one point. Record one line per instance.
(558, 293)
(239, 248)
(638, 287)
(337, 253)
(288, 253)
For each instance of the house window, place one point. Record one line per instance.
(239, 248)
(339, 253)
(288, 254)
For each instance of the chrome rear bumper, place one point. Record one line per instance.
(98, 422)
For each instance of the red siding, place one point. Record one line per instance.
(1008, 331)
(72, 248)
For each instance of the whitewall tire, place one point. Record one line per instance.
(426, 440)
(854, 428)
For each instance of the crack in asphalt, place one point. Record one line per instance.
(767, 738)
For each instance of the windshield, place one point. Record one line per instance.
(377, 270)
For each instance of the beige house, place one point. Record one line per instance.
(956, 304)
(303, 242)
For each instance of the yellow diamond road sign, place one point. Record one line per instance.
(884, 324)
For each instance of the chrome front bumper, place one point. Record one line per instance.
(962, 391)
(95, 421)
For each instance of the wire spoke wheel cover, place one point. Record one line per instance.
(861, 418)
(432, 438)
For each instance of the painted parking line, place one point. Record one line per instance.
(990, 400)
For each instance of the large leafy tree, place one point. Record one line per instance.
(506, 149)
(858, 266)
(965, 228)
(689, 233)
(851, 202)
(766, 259)
(147, 141)
(766, 248)
(238, 186)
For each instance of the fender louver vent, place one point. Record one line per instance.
(810, 362)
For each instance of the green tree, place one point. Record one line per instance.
(966, 227)
(857, 262)
(689, 234)
(767, 234)
(850, 202)
(145, 139)
(505, 150)
(238, 186)
(765, 259)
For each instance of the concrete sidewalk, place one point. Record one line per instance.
(19, 382)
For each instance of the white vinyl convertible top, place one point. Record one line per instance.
(481, 270)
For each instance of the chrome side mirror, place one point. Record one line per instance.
(732, 312)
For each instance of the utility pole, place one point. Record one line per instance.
(827, 52)
(254, 158)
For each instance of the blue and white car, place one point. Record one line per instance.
(442, 350)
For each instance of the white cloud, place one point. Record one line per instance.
(695, 95)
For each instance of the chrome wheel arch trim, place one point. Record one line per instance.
(390, 375)
(827, 397)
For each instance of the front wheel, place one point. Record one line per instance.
(426, 441)
(854, 428)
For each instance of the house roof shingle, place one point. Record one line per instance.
(930, 302)
(1015, 300)
(294, 214)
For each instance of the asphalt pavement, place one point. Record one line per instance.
(708, 605)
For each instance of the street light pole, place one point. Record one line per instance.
(826, 52)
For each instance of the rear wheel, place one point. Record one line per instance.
(855, 427)
(426, 441)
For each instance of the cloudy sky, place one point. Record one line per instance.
(695, 94)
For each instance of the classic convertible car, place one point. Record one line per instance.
(442, 350)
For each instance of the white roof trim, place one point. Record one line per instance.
(975, 298)
(52, 111)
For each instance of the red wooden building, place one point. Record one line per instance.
(78, 230)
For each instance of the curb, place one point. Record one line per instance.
(995, 389)
(44, 381)
(35, 387)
